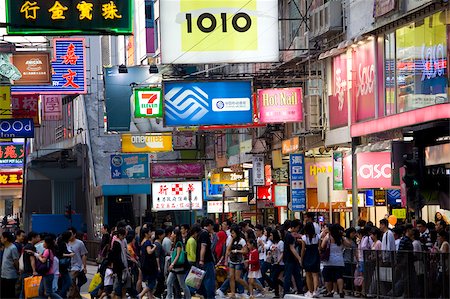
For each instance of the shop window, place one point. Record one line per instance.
(389, 73)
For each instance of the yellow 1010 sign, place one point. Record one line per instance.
(219, 31)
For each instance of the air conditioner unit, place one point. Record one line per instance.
(326, 19)
(313, 115)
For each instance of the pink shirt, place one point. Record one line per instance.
(49, 255)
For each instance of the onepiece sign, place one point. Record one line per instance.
(177, 196)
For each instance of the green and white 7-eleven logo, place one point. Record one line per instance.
(148, 102)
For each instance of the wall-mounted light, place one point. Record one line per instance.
(123, 69)
(153, 69)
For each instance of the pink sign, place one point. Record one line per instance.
(177, 170)
(52, 107)
(315, 166)
(374, 170)
(338, 102)
(364, 75)
(280, 105)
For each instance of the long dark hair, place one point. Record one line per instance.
(50, 242)
(276, 236)
(236, 229)
(335, 232)
(178, 237)
(310, 231)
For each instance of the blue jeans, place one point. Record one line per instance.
(208, 288)
(265, 266)
(292, 269)
(46, 287)
(226, 285)
(66, 282)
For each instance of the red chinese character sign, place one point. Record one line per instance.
(11, 178)
(51, 107)
(25, 106)
(175, 196)
(68, 70)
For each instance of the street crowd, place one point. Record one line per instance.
(236, 259)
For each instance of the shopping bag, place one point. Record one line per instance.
(96, 280)
(31, 286)
(195, 277)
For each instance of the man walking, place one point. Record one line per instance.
(388, 240)
(29, 261)
(205, 259)
(10, 266)
(292, 260)
(78, 268)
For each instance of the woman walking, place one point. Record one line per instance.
(311, 259)
(276, 253)
(149, 265)
(236, 251)
(177, 267)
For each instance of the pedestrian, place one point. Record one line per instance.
(292, 259)
(20, 240)
(311, 259)
(191, 245)
(65, 262)
(108, 281)
(78, 267)
(205, 259)
(425, 236)
(309, 217)
(236, 251)
(29, 261)
(10, 266)
(254, 272)
(118, 257)
(276, 254)
(388, 240)
(375, 235)
(178, 267)
(104, 244)
(167, 242)
(160, 261)
(350, 258)
(148, 264)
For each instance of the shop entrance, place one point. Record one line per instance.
(120, 208)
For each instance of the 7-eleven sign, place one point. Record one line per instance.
(148, 102)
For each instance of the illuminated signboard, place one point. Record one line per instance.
(175, 196)
(148, 102)
(11, 178)
(147, 143)
(68, 70)
(11, 154)
(69, 17)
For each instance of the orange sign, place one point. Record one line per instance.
(34, 66)
(291, 145)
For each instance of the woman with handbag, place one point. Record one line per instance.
(178, 267)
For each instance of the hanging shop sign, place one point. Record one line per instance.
(380, 197)
(25, 106)
(177, 170)
(280, 175)
(374, 170)
(207, 103)
(238, 207)
(184, 140)
(11, 178)
(68, 69)
(148, 102)
(399, 213)
(365, 83)
(315, 166)
(280, 105)
(11, 154)
(280, 195)
(34, 67)
(382, 7)
(370, 198)
(17, 128)
(68, 17)
(258, 170)
(52, 107)
(338, 101)
(290, 146)
(147, 143)
(361, 199)
(5, 102)
(394, 197)
(216, 206)
(177, 196)
(194, 32)
(264, 192)
(338, 171)
(127, 166)
(227, 178)
(265, 204)
(297, 181)
(212, 191)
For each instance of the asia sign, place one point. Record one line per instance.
(25, 106)
(68, 69)
(34, 67)
(177, 170)
(338, 101)
(129, 166)
(16, 128)
(298, 186)
(11, 154)
(177, 196)
(207, 103)
(280, 105)
(148, 102)
(11, 178)
(69, 17)
(218, 31)
(147, 143)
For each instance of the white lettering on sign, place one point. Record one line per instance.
(366, 79)
(433, 61)
(368, 171)
(340, 86)
(153, 141)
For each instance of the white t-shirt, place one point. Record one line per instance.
(229, 237)
(277, 251)
(109, 279)
(261, 248)
(314, 240)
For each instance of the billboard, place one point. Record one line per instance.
(147, 143)
(175, 196)
(148, 102)
(129, 166)
(280, 195)
(11, 178)
(52, 107)
(34, 67)
(207, 103)
(17, 128)
(184, 140)
(11, 154)
(219, 31)
(216, 206)
(68, 70)
(297, 179)
(25, 106)
(177, 170)
(280, 105)
(69, 17)
(338, 101)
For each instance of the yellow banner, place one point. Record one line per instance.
(399, 213)
(5, 102)
(147, 143)
(227, 178)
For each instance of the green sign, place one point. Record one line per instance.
(148, 102)
(69, 17)
(338, 182)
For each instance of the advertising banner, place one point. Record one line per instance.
(361, 200)
(370, 198)
(290, 146)
(148, 102)
(5, 102)
(68, 69)
(298, 186)
(129, 166)
(338, 101)
(42, 17)
(338, 171)
(374, 170)
(314, 166)
(207, 103)
(175, 196)
(227, 178)
(380, 197)
(177, 170)
(11, 178)
(258, 170)
(150, 26)
(264, 192)
(216, 206)
(281, 195)
(52, 107)
(147, 143)
(25, 106)
(394, 197)
(365, 82)
(199, 32)
(11, 154)
(212, 191)
(17, 128)
(184, 140)
(34, 67)
(280, 105)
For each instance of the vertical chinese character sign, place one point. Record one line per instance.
(258, 171)
(52, 107)
(5, 102)
(298, 186)
(68, 70)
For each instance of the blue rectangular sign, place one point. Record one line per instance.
(68, 70)
(394, 197)
(213, 192)
(129, 166)
(17, 128)
(298, 186)
(207, 103)
(370, 198)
